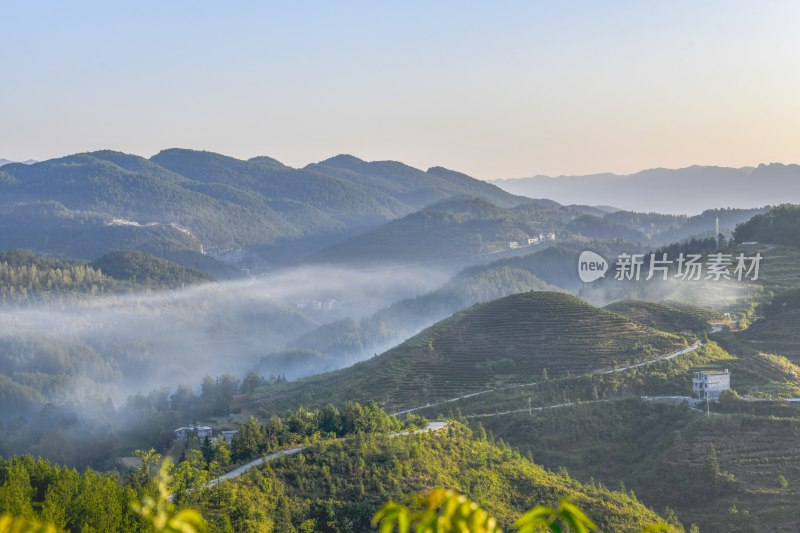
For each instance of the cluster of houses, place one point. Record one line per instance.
(183, 433)
(531, 241)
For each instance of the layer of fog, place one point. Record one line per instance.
(126, 343)
(719, 295)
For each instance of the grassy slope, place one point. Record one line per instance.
(504, 342)
(667, 316)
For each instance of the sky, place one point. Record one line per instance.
(493, 89)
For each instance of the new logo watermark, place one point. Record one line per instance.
(686, 266)
(591, 266)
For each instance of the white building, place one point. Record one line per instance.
(185, 432)
(709, 385)
(551, 236)
(533, 240)
(513, 244)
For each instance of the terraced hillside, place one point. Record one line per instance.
(778, 334)
(508, 341)
(779, 270)
(668, 316)
(779, 330)
(664, 453)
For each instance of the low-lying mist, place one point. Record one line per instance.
(111, 346)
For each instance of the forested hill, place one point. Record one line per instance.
(26, 276)
(334, 485)
(506, 342)
(461, 227)
(204, 202)
(780, 225)
(145, 269)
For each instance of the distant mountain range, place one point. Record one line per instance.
(207, 203)
(220, 214)
(688, 190)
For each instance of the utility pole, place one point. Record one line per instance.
(716, 236)
(708, 408)
(530, 411)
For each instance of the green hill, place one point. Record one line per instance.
(780, 225)
(26, 277)
(667, 316)
(457, 228)
(146, 269)
(339, 485)
(504, 342)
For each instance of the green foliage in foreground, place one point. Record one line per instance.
(444, 511)
(160, 511)
(12, 524)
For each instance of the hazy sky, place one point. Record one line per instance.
(495, 89)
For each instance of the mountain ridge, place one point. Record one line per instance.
(664, 189)
(259, 204)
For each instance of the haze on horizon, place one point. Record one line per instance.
(511, 91)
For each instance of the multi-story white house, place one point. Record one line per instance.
(709, 385)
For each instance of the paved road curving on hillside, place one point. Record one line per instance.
(233, 474)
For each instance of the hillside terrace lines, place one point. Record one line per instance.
(501, 344)
(666, 357)
(779, 334)
(540, 408)
(578, 336)
(754, 450)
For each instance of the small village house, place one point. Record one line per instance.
(708, 385)
(185, 432)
